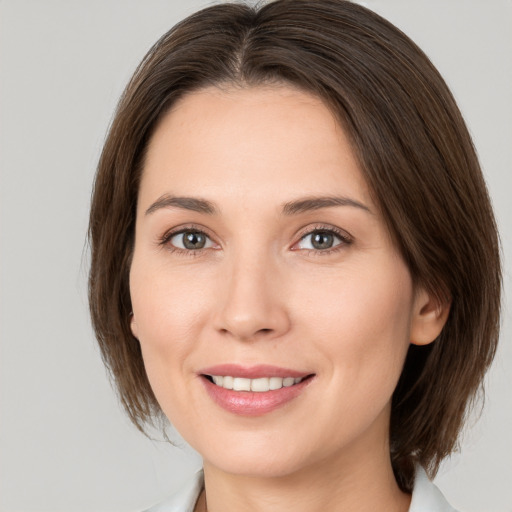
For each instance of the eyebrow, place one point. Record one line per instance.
(316, 203)
(186, 203)
(290, 208)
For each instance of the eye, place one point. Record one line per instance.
(321, 240)
(190, 240)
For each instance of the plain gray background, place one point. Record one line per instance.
(65, 444)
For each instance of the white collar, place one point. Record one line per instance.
(426, 497)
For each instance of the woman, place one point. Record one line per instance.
(294, 257)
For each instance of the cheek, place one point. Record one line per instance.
(360, 324)
(168, 316)
(166, 301)
(362, 320)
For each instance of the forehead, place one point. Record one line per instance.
(257, 142)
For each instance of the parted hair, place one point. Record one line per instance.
(412, 146)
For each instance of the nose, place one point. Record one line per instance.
(252, 302)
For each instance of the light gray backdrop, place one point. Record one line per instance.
(65, 445)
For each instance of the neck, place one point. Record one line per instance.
(348, 483)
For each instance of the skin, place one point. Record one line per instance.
(259, 292)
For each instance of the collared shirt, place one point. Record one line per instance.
(426, 497)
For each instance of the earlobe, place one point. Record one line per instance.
(429, 318)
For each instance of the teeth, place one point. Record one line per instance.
(258, 385)
(228, 382)
(240, 384)
(218, 380)
(275, 383)
(288, 381)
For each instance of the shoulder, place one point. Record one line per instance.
(426, 497)
(185, 499)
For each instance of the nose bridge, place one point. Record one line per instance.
(252, 305)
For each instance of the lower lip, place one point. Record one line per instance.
(251, 403)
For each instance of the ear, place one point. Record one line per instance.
(429, 317)
(133, 326)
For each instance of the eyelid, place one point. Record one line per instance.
(164, 240)
(209, 243)
(345, 237)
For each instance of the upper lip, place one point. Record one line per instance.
(252, 372)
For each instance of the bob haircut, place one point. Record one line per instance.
(412, 146)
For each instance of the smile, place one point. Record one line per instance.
(260, 385)
(254, 390)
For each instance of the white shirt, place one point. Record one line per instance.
(426, 497)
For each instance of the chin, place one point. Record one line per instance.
(257, 459)
(257, 467)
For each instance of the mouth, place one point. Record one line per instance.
(259, 385)
(253, 391)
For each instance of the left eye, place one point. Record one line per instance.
(191, 240)
(320, 240)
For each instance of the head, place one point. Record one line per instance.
(413, 162)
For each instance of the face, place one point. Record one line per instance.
(262, 264)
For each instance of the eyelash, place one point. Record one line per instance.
(164, 241)
(343, 236)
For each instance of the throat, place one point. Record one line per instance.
(314, 492)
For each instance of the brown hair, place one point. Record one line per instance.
(413, 148)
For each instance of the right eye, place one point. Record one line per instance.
(190, 240)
